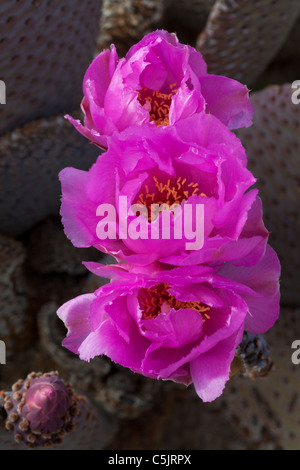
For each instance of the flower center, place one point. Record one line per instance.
(167, 195)
(152, 299)
(157, 103)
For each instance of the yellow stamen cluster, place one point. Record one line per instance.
(159, 103)
(167, 195)
(152, 299)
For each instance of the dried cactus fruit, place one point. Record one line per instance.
(42, 411)
(30, 160)
(255, 354)
(124, 22)
(44, 46)
(267, 411)
(241, 38)
(272, 145)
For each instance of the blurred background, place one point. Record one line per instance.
(45, 49)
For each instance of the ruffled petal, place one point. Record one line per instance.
(262, 278)
(210, 371)
(75, 314)
(228, 100)
(77, 211)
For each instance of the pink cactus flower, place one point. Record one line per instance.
(159, 82)
(196, 162)
(182, 324)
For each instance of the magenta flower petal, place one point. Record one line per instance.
(254, 236)
(107, 340)
(95, 86)
(185, 103)
(262, 278)
(77, 211)
(75, 315)
(208, 371)
(228, 100)
(208, 132)
(247, 250)
(90, 133)
(99, 74)
(221, 325)
(176, 329)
